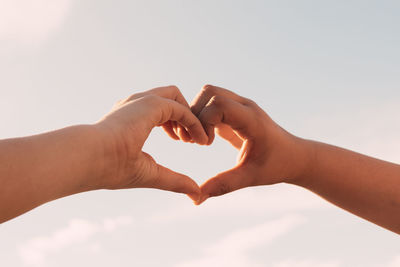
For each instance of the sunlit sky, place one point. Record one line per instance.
(324, 70)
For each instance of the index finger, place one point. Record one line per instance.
(209, 91)
(224, 110)
(168, 110)
(170, 92)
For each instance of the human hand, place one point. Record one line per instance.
(126, 128)
(267, 153)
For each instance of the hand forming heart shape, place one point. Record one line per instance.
(268, 154)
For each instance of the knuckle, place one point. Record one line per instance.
(208, 89)
(217, 101)
(150, 99)
(249, 102)
(173, 87)
(132, 97)
(213, 111)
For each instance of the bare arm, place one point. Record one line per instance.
(41, 168)
(105, 155)
(367, 187)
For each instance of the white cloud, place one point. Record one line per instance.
(232, 249)
(36, 250)
(279, 199)
(112, 224)
(246, 239)
(31, 21)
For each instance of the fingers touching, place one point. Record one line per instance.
(173, 129)
(227, 111)
(208, 92)
(173, 111)
(170, 110)
(214, 109)
(226, 182)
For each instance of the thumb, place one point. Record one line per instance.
(226, 182)
(166, 179)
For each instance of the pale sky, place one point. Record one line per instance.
(324, 70)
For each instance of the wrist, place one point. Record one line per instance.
(96, 155)
(304, 160)
(113, 154)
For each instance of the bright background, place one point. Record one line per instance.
(325, 70)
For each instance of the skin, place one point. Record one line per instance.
(106, 155)
(268, 154)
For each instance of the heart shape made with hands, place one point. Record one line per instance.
(267, 153)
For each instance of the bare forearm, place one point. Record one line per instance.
(41, 168)
(367, 187)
